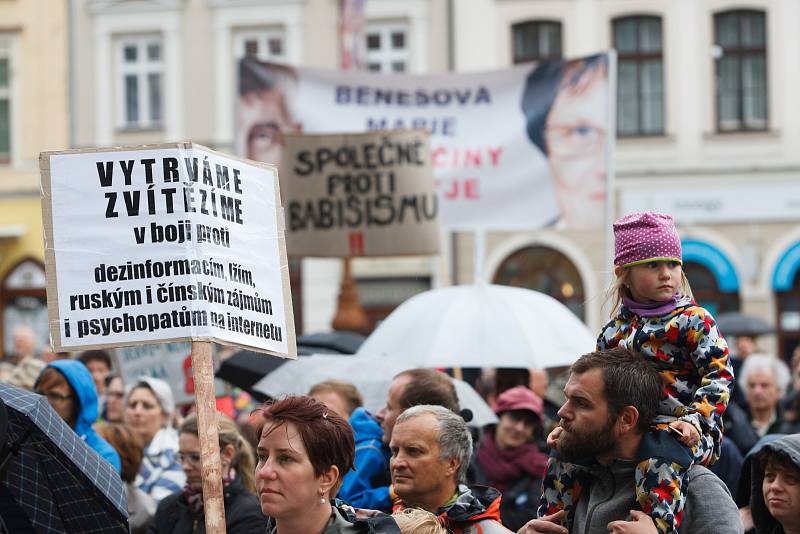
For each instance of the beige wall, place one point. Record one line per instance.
(39, 77)
(39, 117)
(201, 81)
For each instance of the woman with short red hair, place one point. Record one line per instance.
(304, 451)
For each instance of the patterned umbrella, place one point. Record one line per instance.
(53, 481)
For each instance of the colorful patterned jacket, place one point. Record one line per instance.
(692, 356)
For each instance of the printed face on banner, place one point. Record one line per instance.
(576, 147)
(514, 149)
(263, 112)
(161, 244)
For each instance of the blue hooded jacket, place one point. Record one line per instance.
(367, 486)
(81, 381)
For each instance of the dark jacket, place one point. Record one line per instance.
(80, 380)
(788, 447)
(242, 514)
(729, 466)
(738, 428)
(520, 499)
(367, 485)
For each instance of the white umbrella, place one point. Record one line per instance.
(370, 375)
(481, 326)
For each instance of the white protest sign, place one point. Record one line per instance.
(171, 362)
(360, 194)
(164, 243)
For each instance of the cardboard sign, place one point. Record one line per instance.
(159, 243)
(360, 194)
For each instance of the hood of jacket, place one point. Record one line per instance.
(80, 380)
(788, 447)
(474, 503)
(365, 426)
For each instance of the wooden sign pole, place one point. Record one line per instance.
(205, 401)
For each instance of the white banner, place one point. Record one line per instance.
(518, 148)
(164, 243)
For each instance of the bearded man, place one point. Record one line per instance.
(612, 397)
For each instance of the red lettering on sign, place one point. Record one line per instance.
(356, 240)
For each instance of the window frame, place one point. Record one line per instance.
(711, 297)
(9, 93)
(537, 24)
(387, 56)
(9, 294)
(640, 57)
(740, 52)
(142, 69)
(262, 35)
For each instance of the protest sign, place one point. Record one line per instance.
(170, 362)
(164, 243)
(360, 194)
(518, 148)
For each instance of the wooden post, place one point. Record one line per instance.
(205, 401)
(350, 314)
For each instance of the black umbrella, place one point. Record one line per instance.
(740, 324)
(51, 480)
(245, 368)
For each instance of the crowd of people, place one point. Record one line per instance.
(659, 430)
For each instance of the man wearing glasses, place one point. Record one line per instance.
(566, 113)
(70, 390)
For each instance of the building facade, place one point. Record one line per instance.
(706, 125)
(33, 118)
(706, 130)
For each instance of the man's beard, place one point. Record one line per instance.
(577, 445)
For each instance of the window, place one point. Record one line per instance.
(5, 100)
(265, 44)
(545, 270)
(741, 68)
(640, 80)
(387, 47)
(23, 302)
(140, 82)
(707, 291)
(536, 40)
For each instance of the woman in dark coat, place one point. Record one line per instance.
(182, 512)
(775, 494)
(508, 458)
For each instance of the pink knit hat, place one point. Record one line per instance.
(645, 236)
(519, 398)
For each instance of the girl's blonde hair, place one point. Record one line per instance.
(243, 458)
(619, 289)
(418, 521)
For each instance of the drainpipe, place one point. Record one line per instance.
(71, 72)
